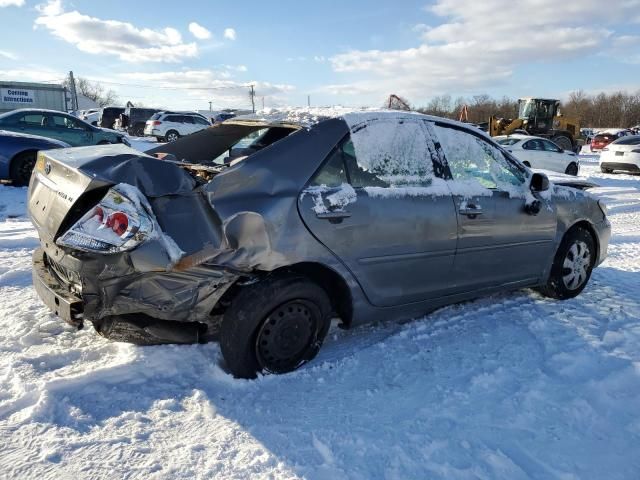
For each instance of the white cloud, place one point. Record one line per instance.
(480, 43)
(113, 37)
(198, 87)
(199, 31)
(229, 33)
(11, 3)
(8, 55)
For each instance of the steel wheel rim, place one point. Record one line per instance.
(286, 336)
(172, 137)
(576, 264)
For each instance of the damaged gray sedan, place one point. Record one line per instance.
(259, 231)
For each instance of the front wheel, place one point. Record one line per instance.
(572, 169)
(21, 168)
(572, 265)
(606, 170)
(275, 325)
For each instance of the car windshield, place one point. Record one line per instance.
(507, 141)
(527, 109)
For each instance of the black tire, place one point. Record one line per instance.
(563, 142)
(606, 170)
(275, 325)
(21, 168)
(572, 265)
(171, 136)
(572, 169)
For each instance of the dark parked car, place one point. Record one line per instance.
(109, 116)
(133, 120)
(18, 153)
(57, 125)
(361, 216)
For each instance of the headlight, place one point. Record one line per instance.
(116, 224)
(603, 207)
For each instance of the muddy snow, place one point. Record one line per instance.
(512, 386)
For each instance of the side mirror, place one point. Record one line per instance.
(539, 182)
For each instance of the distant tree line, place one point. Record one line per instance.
(617, 109)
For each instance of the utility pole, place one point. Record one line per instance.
(210, 105)
(309, 101)
(263, 103)
(74, 93)
(252, 94)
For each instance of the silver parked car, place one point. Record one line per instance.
(259, 231)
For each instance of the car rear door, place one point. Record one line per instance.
(383, 218)
(557, 158)
(500, 240)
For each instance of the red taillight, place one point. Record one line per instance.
(156, 122)
(118, 222)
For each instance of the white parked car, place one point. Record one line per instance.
(169, 126)
(622, 154)
(91, 116)
(540, 153)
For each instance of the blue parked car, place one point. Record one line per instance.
(18, 152)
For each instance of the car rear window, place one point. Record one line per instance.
(634, 140)
(603, 138)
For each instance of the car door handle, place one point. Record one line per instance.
(471, 211)
(333, 215)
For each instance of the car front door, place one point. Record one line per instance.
(68, 129)
(533, 152)
(381, 216)
(501, 238)
(556, 157)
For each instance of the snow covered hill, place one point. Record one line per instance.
(512, 386)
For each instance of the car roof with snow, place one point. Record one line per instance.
(308, 117)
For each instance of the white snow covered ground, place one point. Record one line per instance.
(513, 386)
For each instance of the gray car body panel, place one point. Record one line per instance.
(252, 219)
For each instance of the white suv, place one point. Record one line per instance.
(169, 126)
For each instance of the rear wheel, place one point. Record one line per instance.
(572, 265)
(172, 136)
(606, 170)
(572, 169)
(563, 142)
(275, 325)
(21, 168)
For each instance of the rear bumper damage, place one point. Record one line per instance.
(125, 304)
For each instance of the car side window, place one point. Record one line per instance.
(550, 146)
(471, 158)
(333, 172)
(187, 119)
(394, 153)
(359, 176)
(32, 120)
(60, 121)
(533, 145)
(200, 121)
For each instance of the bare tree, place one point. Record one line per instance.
(94, 91)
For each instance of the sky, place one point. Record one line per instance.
(169, 54)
